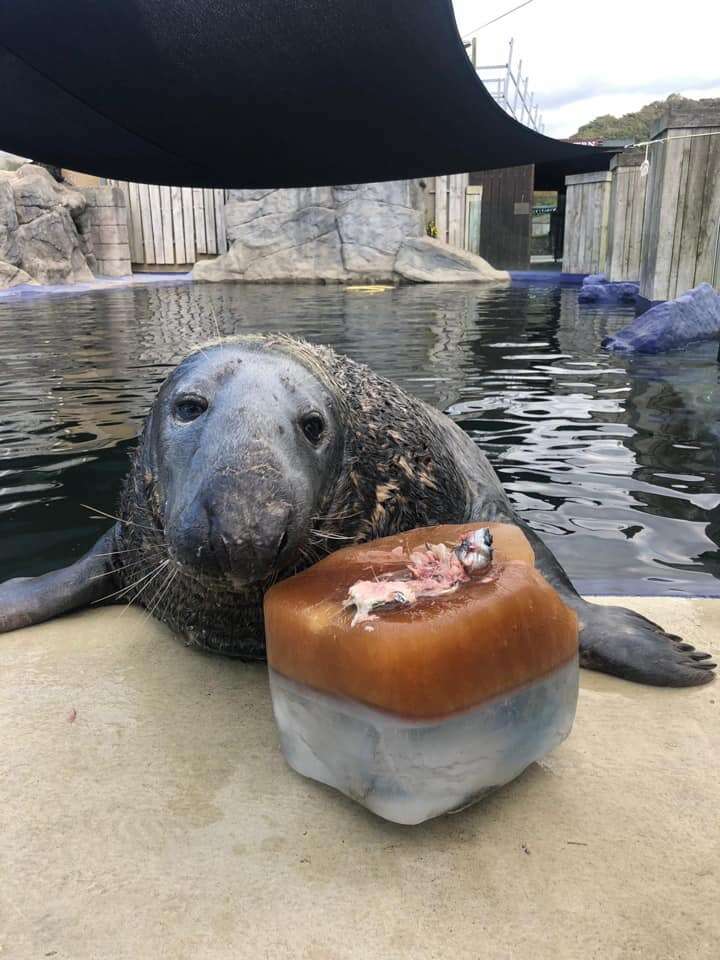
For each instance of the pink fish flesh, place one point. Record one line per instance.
(434, 570)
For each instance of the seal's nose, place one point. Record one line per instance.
(248, 545)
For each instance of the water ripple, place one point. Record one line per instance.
(616, 462)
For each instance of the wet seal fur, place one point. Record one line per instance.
(260, 455)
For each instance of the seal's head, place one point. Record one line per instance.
(244, 449)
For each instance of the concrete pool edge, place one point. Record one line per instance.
(32, 291)
(148, 810)
(144, 279)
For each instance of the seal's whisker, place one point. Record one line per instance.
(199, 349)
(116, 553)
(217, 325)
(133, 563)
(111, 516)
(161, 592)
(157, 573)
(120, 592)
(327, 535)
(322, 518)
(168, 599)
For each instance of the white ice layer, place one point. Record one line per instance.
(409, 771)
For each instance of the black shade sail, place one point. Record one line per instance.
(255, 93)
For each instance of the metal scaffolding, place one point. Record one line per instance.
(508, 87)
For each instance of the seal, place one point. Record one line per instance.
(260, 455)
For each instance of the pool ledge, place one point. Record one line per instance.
(147, 811)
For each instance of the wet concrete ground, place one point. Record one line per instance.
(147, 813)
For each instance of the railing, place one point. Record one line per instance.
(508, 87)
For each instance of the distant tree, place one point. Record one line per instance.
(631, 126)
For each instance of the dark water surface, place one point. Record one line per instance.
(615, 462)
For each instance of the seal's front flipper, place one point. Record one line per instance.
(624, 643)
(613, 639)
(28, 600)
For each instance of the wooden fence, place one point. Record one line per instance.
(173, 225)
(587, 211)
(450, 208)
(627, 210)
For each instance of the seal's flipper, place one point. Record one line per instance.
(28, 600)
(613, 639)
(624, 643)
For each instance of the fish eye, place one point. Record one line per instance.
(313, 426)
(190, 408)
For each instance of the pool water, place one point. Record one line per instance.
(614, 461)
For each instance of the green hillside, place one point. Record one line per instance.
(631, 126)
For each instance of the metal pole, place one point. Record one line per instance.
(506, 93)
(517, 89)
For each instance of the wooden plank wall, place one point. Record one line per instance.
(627, 210)
(506, 215)
(587, 213)
(171, 226)
(681, 234)
(450, 208)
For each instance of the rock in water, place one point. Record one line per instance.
(41, 229)
(355, 232)
(426, 260)
(12, 276)
(429, 706)
(596, 289)
(693, 317)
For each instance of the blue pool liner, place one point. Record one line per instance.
(546, 276)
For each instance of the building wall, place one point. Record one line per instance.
(627, 209)
(106, 221)
(445, 207)
(506, 217)
(587, 213)
(681, 233)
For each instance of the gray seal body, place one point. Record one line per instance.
(262, 454)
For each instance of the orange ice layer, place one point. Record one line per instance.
(435, 658)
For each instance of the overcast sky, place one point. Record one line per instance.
(586, 59)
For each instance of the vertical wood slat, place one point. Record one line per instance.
(648, 254)
(135, 233)
(700, 233)
(125, 187)
(219, 201)
(189, 224)
(586, 222)
(441, 207)
(199, 214)
(209, 209)
(178, 225)
(156, 220)
(147, 225)
(679, 220)
(167, 225)
(666, 224)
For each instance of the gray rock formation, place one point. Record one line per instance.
(42, 236)
(425, 260)
(354, 232)
(11, 276)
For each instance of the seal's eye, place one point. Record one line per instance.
(190, 408)
(313, 426)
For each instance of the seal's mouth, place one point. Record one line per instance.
(217, 570)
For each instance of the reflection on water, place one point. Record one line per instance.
(616, 462)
